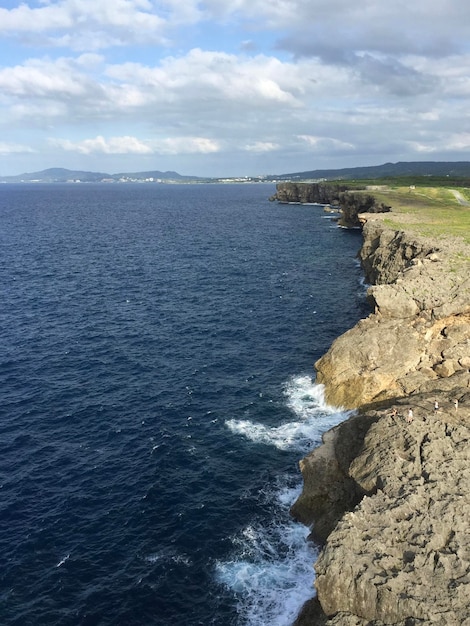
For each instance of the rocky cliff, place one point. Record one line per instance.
(389, 490)
(419, 331)
(350, 203)
(313, 193)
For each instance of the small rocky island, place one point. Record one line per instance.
(388, 492)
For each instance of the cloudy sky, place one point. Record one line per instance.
(232, 88)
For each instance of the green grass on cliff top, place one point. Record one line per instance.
(429, 211)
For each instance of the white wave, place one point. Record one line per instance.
(62, 561)
(167, 556)
(314, 416)
(182, 559)
(287, 495)
(271, 574)
(153, 558)
(307, 398)
(283, 437)
(271, 570)
(363, 286)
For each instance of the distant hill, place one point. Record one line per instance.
(61, 175)
(155, 175)
(453, 169)
(387, 170)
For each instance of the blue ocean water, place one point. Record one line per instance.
(157, 345)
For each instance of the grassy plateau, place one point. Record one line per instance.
(430, 208)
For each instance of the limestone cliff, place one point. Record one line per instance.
(419, 331)
(316, 193)
(389, 490)
(350, 203)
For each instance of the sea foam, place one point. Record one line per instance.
(312, 416)
(270, 570)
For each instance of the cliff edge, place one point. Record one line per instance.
(388, 492)
(419, 331)
(350, 203)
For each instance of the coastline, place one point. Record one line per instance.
(388, 497)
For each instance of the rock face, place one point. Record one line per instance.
(389, 491)
(329, 491)
(419, 330)
(316, 193)
(351, 204)
(403, 553)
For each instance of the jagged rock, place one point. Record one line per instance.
(445, 369)
(386, 253)
(328, 490)
(404, 551)
(465, 362)
(391, 498)
(351, 204)
(392, 301)
(421, 321)
(402, 555)
(364, 364)
(308, 193)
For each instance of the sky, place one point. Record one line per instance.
(232, 88)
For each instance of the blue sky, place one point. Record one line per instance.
(219, 88)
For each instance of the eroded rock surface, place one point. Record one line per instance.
(350, 203)
(388, 491)
(419, 330)
(404, 551)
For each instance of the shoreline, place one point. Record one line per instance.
(388, 497)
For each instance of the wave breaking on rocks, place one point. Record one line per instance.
(388, 491)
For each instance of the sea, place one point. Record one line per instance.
(157, 392)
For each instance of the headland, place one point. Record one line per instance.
(388, 492)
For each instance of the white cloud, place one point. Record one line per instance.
(336, 28)
(14, 148)
(42, 79)
(331, 79)
(460, 142)
(262, 146)
(421, 148)
(132, 145)
(199, 81)
(100, 145)
(211, 91)
(37, 114)
(179, 12)
(443, 143)
(326, 143)
(27, 19)
(213, 76)
(251, 104)
(186, 145)
(86, 24)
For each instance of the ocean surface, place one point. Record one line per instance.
(157, 393)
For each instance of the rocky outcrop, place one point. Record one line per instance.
(402, 555)
(329, 491)
(308, 193)
(388, 492)
(350, 203)
(419, 330)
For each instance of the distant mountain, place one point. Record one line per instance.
(54, 175)
(387, 170)
(155, 175)
(455, 169)
(61, 175)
